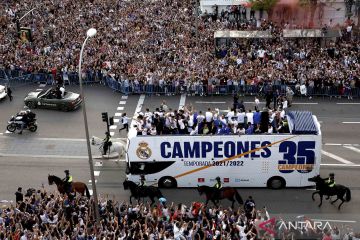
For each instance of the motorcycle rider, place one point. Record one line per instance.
(107, 143)
(26, 117)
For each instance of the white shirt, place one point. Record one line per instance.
(240, 117)
(200, 118)
(303, 89)
(181, 124)
(230, 114)
(124, 120)
(285, 104)
(250, 117)
(208, 116)
(62, 90)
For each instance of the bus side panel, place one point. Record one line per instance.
(199, 159)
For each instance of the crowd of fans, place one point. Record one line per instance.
(164, 42)
(48, 215)
(237, 120)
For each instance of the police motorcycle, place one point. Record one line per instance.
(15, 122)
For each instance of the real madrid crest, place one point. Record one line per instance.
(143, 151)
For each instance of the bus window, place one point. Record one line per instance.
(148, 167)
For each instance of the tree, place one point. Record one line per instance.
(264, 5)
(312, 4)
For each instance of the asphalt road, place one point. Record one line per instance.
(26, 160)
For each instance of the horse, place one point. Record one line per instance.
(323, 189)
(142, 192)
(118, 147)
(75, 186)
(225, 192)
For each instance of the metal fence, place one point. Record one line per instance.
(17, 78)
(248, 90)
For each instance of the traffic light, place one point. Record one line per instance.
(111, 121)
(104, 116)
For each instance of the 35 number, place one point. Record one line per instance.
(301, 153)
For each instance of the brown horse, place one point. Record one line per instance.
(215, 195)
(75, 187)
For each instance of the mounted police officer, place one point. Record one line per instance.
(217, 186)
(107, 143)
(331, 180)
(142, 181)
(67, 181)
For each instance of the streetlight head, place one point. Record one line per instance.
(91, 32)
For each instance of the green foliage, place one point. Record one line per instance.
(265, 5)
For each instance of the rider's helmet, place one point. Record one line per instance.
(332, 175)
(107, 134)
(142, 177)
(66, 171)
(217, 178)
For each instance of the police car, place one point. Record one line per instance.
(48, 99)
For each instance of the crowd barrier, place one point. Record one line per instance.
(248, 90)
(19, 78)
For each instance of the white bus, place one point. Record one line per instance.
(262, 160)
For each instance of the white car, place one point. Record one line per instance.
(2, 92)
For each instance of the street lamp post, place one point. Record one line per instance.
(90, 33)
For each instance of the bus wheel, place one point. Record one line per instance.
(276, 183)
(167, 182)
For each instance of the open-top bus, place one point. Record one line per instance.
(257, 160)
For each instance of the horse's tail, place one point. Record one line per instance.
(87, 191)
(238, 197)
(348, 194)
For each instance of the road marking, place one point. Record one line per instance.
(305, 103)
(42, 85)
(116, 120)
(311, 189)
(182, 101)
(352, 148)
(333, 144)
(98, 164)
(350, 122)
(45, 156)
(333, 156)
(122, 102)
(339, 165)
(340, 144)
(96, 173)
(124, 97)
(334, 220)
(112, 133)
(113, 127)
(120, 108)
(7, 131)
(91, 192)
(139, 104)
(91, 181)
(118, 114)
(39, 89)
(348, 103)
(210, 102)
